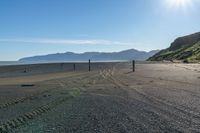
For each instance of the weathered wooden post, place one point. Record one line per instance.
(25, 70)
(89, 65)
(133, 65)
(74, 66)
(61, 66)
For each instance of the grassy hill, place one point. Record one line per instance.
(186, 49)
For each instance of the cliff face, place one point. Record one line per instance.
(186, 49)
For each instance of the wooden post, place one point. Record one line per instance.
(25, 70)
(61, 66)
(89, 65)
(133, 65)
(74, 66)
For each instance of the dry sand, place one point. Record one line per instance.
(156, 98)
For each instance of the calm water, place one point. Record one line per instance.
(6, 63)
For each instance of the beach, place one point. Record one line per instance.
(158, 97)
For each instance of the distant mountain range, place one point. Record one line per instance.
(186, 49)
(95, 56)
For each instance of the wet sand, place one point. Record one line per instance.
(155, 98)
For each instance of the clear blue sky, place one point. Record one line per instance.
(35, 27)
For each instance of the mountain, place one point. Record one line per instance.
(186, 49)
(96, 56)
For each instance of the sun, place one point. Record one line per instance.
(179, 3)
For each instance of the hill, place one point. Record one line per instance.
(96, 56)
(186, 49)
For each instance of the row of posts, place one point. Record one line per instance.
(89, 66)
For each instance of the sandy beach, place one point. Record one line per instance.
(154, 98)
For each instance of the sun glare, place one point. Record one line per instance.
(179, 3)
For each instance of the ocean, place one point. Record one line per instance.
(8, 63)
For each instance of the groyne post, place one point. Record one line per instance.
(61, 66)
(89, 65)
(133, 65)
(74, 66)
(25, 70)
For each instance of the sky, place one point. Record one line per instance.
(37, 27)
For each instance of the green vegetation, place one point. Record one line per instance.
(188, 53)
